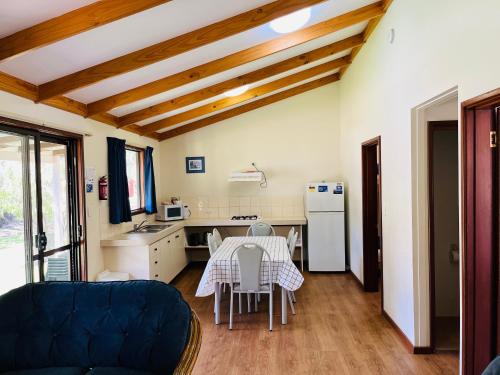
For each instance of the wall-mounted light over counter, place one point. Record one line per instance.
(255, 175)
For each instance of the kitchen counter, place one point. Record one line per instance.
(142, 239)
(146, 239)
(224, 222)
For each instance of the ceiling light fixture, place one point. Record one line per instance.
(291, 22)
(237, 91)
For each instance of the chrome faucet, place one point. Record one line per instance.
(140, 225)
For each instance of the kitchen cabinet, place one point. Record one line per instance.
(162, 260)
(173, 257)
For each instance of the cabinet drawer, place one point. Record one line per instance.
(179, 236)
(155, 275)
(155, 249)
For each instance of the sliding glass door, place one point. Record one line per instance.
(40, 229)
(15, 225)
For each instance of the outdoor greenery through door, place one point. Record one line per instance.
(40, 214)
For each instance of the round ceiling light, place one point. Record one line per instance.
(291, 22)
(237, 91)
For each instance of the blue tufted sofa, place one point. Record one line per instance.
(114, 328)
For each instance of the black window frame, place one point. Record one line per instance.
(140, 151)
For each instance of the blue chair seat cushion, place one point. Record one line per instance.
(116, 371)
(142, 325)
(49, 371)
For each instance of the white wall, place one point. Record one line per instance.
(294, 141)
(95, 152)
(439, 44)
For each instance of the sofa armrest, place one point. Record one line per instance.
(188, 358)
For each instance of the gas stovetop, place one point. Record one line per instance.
(246, 217)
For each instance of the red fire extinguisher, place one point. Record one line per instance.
(103, 188)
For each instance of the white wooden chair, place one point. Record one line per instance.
(217, 237)
(212, 248)
(289, 237)
(212, 244)
(260, 229)
(249, 262)
(291, 249)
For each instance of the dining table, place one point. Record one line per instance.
(283, 270)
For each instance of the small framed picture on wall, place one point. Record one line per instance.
(195, 164)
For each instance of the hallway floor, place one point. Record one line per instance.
(338, 329)
(447, 333)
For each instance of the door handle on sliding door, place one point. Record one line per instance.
(41, 241)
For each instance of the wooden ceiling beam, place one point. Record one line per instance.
(248, 107)
(18, 87)
(245, 79)
(172, 47)
(239, 58)
(71, 23)
(250, 94)
(28, 91)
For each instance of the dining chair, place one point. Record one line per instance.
(212, 248)
(291, 232)
(260, 229)
(249, 258)
(217, 236)
(212, 244)
(291, 249)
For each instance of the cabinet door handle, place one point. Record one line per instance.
(156, 249)
(177, 236)
(168, 241)
(156, 262)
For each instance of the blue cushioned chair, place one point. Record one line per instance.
(114, 328)
(493, 368)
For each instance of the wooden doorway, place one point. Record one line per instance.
(444, 271)
(480, 181)
(372, 215)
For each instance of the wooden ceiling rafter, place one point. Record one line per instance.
(245, 79)
(250, 94)
(372, 24)
(50, 93)
(72, 23)
(248, 107)
(29, 91)
(236, 59)
(172, 47)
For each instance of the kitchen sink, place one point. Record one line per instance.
(151, 228)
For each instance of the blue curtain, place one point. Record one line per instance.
(119, 205)
(149, 183)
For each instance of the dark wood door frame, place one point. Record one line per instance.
(480, 181)
(433, 126)
(372, 215)
(79, 230)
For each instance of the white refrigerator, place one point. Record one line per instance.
(324, 206)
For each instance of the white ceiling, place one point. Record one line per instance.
(17, 15)
(146, 28)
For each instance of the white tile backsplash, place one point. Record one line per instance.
(225, 207)
(244, 201)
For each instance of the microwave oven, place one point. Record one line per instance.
(168, 212)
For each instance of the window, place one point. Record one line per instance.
(135, 176)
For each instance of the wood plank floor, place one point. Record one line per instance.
(338, 329)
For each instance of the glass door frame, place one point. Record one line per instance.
(76, 197)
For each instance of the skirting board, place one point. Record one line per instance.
(406, 342)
